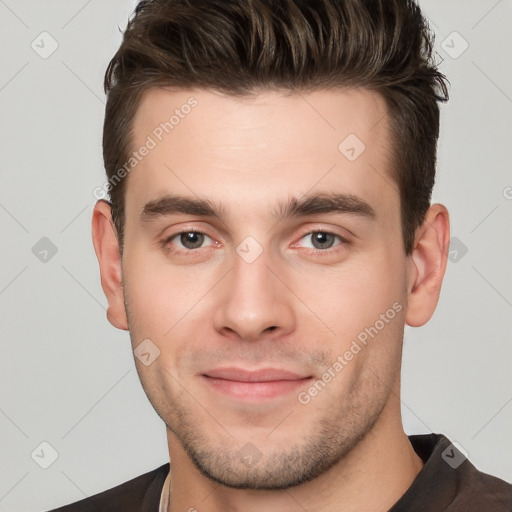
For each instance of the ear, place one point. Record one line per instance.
(427, 265)
(107, 251)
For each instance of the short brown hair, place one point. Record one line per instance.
(240, 47)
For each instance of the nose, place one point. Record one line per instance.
(254, 303)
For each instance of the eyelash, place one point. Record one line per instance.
(324, 252)
(167, 240)
(330, 250)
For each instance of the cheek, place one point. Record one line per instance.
(351, 298)
(158, 294)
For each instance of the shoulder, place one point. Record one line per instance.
(450, 482)
(481, 491)
(138, 494)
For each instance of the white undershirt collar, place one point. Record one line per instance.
(164, 497)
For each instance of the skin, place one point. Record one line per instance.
(296, 306)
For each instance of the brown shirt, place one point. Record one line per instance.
(448, 482)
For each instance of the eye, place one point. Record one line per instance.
(187, 240)
(322, 240)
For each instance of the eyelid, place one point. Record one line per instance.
(344, 240)
(167, 239)
(320, 229)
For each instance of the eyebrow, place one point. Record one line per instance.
(295, 207)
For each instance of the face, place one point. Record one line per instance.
(273, 283)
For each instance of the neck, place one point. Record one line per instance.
(371, 478)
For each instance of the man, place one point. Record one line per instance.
(268, 236)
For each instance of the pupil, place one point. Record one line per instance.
(192, 240)
(322, 240)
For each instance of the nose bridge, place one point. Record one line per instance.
(254, 300)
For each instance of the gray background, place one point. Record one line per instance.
(68, 378)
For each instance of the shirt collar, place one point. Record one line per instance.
(164, 497)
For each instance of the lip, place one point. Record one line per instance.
(261, 375)
(261, 384)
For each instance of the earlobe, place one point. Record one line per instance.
(106, 247)
(428, 265)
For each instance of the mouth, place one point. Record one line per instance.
(253, 385)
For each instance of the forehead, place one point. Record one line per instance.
(270, 144)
